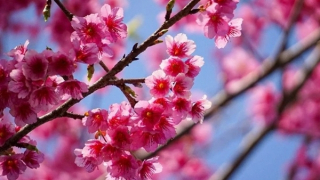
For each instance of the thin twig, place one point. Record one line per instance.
(64, 9)
(252, 140)
(73, 115)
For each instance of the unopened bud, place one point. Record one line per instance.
(90, 70)
(161, 33)
(46, 10)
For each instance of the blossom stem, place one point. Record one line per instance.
(64, 9)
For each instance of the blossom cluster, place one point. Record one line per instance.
(151, 123)
(13, 163)
(217, 21)
(33, 83)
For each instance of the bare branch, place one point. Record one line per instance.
(253, 139)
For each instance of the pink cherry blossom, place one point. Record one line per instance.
(72, 88)
(93, 149)
(12, 166)
(234, 30)
(19, 51)
(194, 64)
(32, 159)
(148, 168)
(89, 163)
(61, 64)
(181, 107)
(180, 46)
(182, 85)
(19, 84)
(264, 100)
(148, 113)
(22, 111)
(119, 114)
(96, 120)
(124, 166)
(112, 17)
(88, 29)
(6, 130)
(159, 83)
(198, 108)
(34, 66)
(166, 127)
(43, 98)
(173, 66)
(244, 64)
(147, 139)
(120, 137)
(85, 53)
(213, 21)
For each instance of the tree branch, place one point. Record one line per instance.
(223, 97)
(102, 82)
(253, 139)
(64, 9)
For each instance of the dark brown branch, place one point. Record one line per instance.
(64, 9)
(223, 97)
(102, 82)
(251, 142)
(294, 167)
(73, 116)
(104, 67)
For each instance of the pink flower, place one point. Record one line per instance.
(86, 53)
(213, 21)
(96, 120)
(112, 17)
(164, 102)
(32, 159)
(119, 114)
(88, 29)
(61, 64)
(148, 113)
(73, 88)
(12, 166)
(93, 149)
(181, 107)
(194, 64)
(180, 46)
(216, 24)
(149, 140)
(6, 130)
(19, 84)
(198, 108)
(120, 137)
(109, 152)
(89, 163)
(22, 111)
(124, 166)
(148, 168)
(159, 83)
(264, 100)
(173, 66)
(182, 85)
(43, 98)
(238, 64)
(234, 30)
(34, 66)
(166, 127)
(19, 51)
